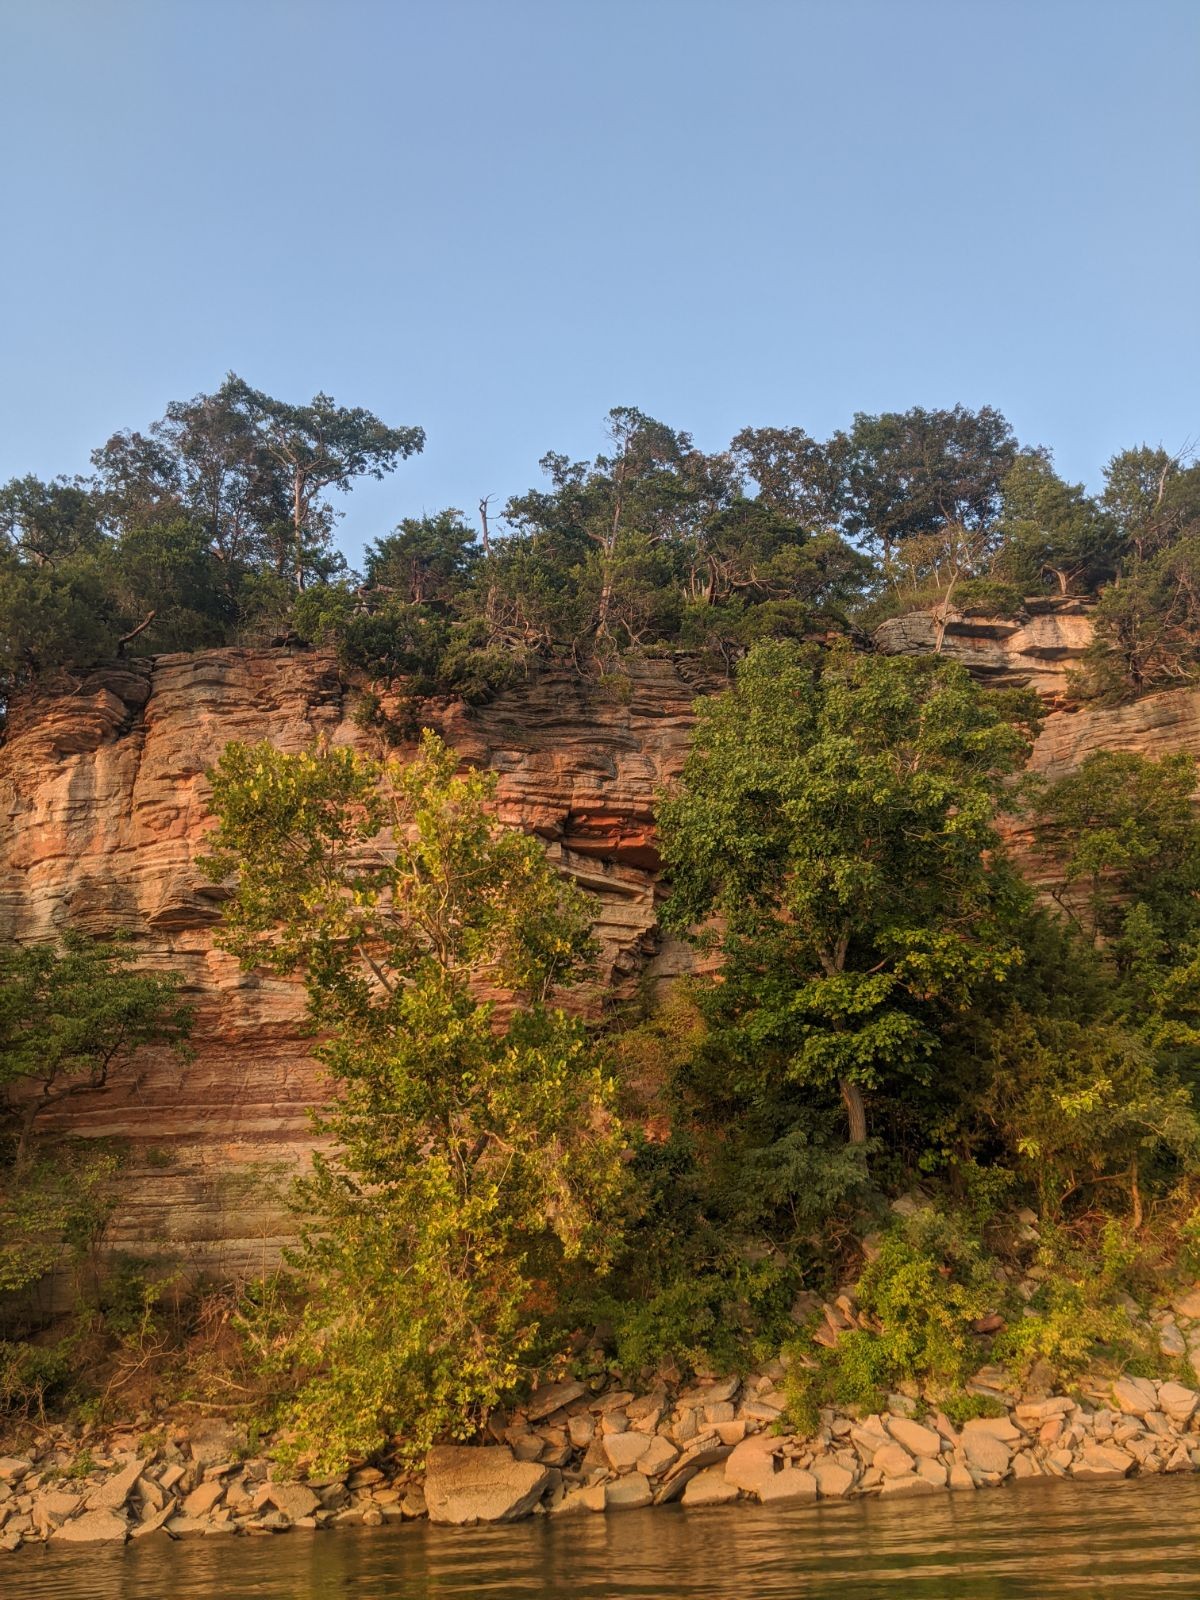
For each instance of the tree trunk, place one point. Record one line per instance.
(856, 1112)
(297, 524)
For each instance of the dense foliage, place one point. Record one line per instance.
(476, 1156)
(216, 524)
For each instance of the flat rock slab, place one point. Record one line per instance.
(628, 1493)
(113, 1492)
(1177, 1401)
(710, 1487)
(466, 1484)
(94, 1527)
(552, 1397)
(793, 1483)
(1135, 1396)
(294, 1499)
(914, 1436)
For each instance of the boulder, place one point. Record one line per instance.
(661, 1455)
(917, 1439)
(893, 1461)
(752, 1462)
(1189, 1304)
(464, 1483)
(711, 1488)
(552, 1397)
(1101, 1461)
(54, 1507)
(113, 1492)
(102, 1526)
(995, 1428)
(593, 1498)
(294, 1499)
(1171, 1341)
(685, 1469)
(1135, 1396)
(985, 1452)
(793, 1483)
(1177, 1401)
(628, 1493)
(833, 1480)
(911, 1484)
(202, 1499)
(13, 1467)
(625, 1450)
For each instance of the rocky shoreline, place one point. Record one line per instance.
(567, 1450)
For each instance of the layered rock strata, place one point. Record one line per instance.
(104, 811)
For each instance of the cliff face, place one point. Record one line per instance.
(103, 811)
(1037, 650)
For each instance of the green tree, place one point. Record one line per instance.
(476, 1155)
(424, 560)
(920, 472)
(1052, 529)
(836, 817)
(316, 447)
(73, 1013)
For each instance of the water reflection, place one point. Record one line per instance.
(1037, 1541)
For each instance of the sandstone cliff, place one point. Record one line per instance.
(103, 811)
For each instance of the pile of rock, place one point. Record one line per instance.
(570, 1450)
(188, 1486)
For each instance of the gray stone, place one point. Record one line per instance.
(467, 1484)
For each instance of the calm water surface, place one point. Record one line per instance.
(1037, 1540)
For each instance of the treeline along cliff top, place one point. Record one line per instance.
(216, 524)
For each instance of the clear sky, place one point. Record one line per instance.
(498, 218)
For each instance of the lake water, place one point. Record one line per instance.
(1037, 1540)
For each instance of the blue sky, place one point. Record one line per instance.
(500, 219)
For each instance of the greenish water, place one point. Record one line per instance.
(1035, 1540)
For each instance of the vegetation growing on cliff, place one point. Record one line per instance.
(476, 1156)
(216, 525)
